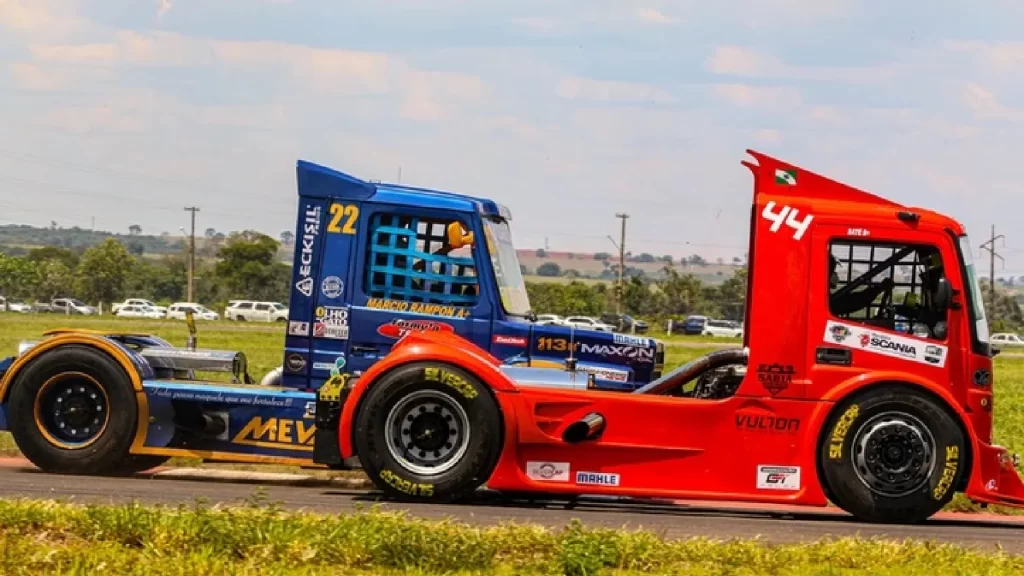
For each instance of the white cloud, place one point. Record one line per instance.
(163, 7)
(746, 96)
(588, 89)
(654, 16)
(1002, 57)
(984, 105)
(740, 61)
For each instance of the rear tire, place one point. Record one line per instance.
(892, 455)
(428, 431)
(72, 410)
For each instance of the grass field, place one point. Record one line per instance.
(262, 344)
(43, 538)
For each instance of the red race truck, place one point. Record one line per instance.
(865, 379)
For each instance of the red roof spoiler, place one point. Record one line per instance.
(804, 183)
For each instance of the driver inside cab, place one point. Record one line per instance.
(456, 237)
(924, 312)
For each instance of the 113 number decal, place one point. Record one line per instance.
(786, 215)
(350, 212)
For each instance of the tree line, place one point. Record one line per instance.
(249, 265)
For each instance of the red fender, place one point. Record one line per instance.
(419, 346)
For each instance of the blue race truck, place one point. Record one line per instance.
(371, 262)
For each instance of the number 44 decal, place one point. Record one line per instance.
(787, 215)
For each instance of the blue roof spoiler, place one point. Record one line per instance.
(316, 181)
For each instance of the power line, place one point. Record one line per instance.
(990, 246)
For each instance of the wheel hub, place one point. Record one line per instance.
(894, 454)
(72, 410)
(427, 432)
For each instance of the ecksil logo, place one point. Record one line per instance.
(399, 327)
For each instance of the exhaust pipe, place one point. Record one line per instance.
(587, 428)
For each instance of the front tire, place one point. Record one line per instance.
(892, 455)
(72, 410)
(428, 431)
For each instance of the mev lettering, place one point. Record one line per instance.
(282, 433)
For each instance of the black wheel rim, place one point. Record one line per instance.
(72, 410)
(894, 454)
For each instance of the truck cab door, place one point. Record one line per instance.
(417, 269)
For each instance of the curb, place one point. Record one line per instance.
(249, 477)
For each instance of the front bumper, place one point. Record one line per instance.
(996, 479)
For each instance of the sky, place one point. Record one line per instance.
(122, 112)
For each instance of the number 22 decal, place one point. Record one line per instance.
(787, 215)
(350, 212)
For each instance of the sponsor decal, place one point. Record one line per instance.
(778, 477)
(949, 471)
(892, 345)
(775, 378)
(406, 486)
(434, 374)
(298, 328)
(839, 333)
(279, 433)
(627, 340)
(597, 479)
(334, 367)
(332, 287)
(767, 423)
(310, 232)
(607, 373)
(295, 362)
(858, 232)
(401, 326)
(509, 340)
(310, 410)
(418, 308)
(645, 355)
(548, 471)
(838, 437)
(331, 322)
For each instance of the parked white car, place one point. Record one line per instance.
(139, 302)
(138, 311)
(550, 319)
(72, 306)
(1006, 339)
(10, 305)
(251, 311)
(588, 323)
(723, 328)
(177, 311)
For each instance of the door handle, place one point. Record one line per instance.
(834, 356)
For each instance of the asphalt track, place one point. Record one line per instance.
(720, 521)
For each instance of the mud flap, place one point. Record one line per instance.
(329, 400)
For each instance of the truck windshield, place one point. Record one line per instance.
(506, 268)
(977, 304)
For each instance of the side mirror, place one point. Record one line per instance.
(943, 295)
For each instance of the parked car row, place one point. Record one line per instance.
(255, 311)
(703, 326)
(55, 306)
(608, 322)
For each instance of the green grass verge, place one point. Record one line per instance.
(45, 537)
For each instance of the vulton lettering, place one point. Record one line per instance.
(835, 448)
(767, 423)
(454, 380)
(406, 486)
(282, 433)
(948, 472)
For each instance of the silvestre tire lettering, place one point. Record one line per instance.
(405, 486)
(949, 471)
(433, 374)
(835, 449)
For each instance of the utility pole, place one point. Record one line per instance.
(991, 247)
(622, 260)
(191, 252)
